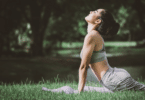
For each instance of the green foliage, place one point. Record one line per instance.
(81, 28)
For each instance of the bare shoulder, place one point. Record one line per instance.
(95, 35)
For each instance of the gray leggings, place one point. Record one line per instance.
(115, 79)
(118, 79)
(69, 90)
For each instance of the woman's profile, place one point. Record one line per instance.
(100, 23)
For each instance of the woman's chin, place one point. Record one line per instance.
(86, 18)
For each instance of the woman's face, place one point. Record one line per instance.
(92, 17)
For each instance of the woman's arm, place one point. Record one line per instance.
(88, 48)
(82, 79)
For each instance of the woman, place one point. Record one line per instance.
(100, 23)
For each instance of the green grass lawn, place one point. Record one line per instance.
(32, 91)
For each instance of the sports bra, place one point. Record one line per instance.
(97, 56)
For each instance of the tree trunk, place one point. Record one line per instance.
(37, 35)
(8, 45)
(139, 8)
(37, 46)
(1, 44)
(129, 37)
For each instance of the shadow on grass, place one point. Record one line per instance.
(17, 70)
(35, 69)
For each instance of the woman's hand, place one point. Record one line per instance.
(80, 92)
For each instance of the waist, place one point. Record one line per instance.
(108, 71)
(99, 68)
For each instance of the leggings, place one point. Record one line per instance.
(69, 90)
(115, 79)
(118, 79)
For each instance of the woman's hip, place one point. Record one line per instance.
(114, 77)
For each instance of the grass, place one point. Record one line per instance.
(31, 91)
(107, 44)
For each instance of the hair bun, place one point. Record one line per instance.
(116, 24)
(108, 26)
(113, 29)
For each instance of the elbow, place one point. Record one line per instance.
(83, 67)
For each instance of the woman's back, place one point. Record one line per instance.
(99, 63)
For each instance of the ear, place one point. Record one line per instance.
(98, 21)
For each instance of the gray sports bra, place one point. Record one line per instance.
(97, 56)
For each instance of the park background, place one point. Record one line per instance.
(42, 39)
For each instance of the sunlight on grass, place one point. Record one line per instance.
(113, 48)
(120, 44)
(107, 44)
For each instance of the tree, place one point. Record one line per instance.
(140, 8)
(37, 13)
(10, 20)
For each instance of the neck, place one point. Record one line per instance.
(91, 27)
